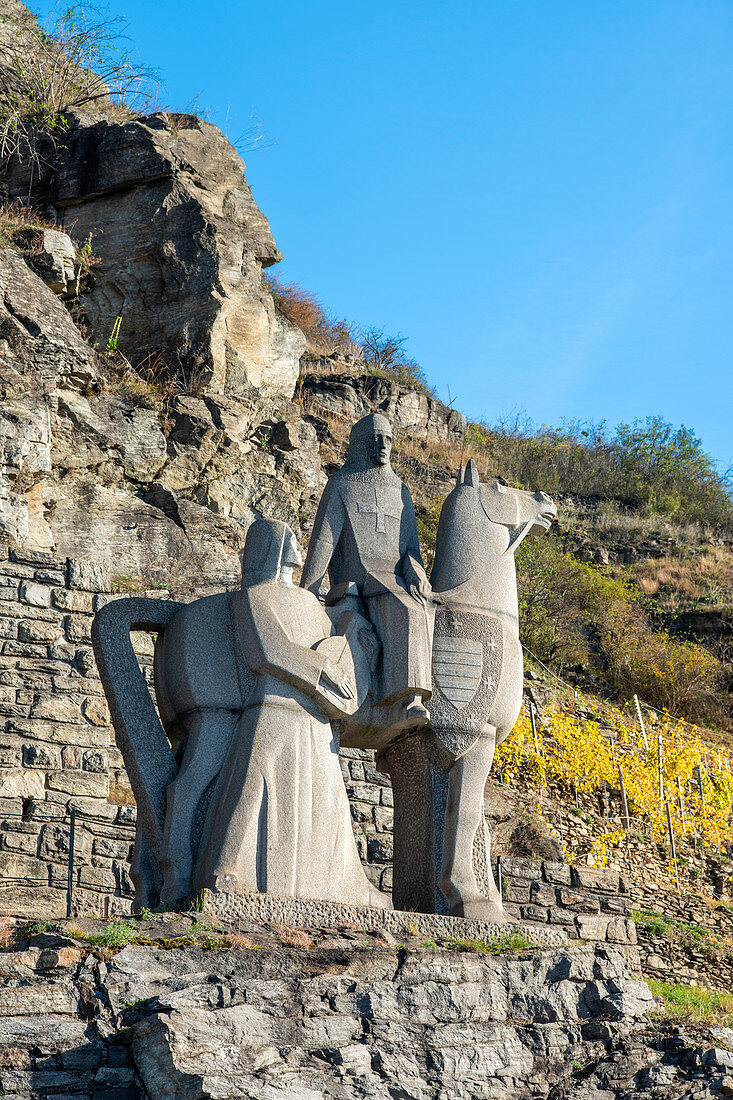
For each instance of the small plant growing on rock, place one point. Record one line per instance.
(508, 943)
(114, 334)
(6, 932)
(117, 934)
(293, 937)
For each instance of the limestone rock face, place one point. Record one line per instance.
(39, 348)
(180, 244)
(89, 467)
(414, 413)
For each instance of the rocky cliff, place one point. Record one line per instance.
(91, 466)
(180, 245)
(146, 374)
(201, 1011)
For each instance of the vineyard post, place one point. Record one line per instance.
(672, 847)
(533, 723)
(641, 722)
(681, 803)
(701, 789)
(624, 801)
(661, 774)
(702, 860)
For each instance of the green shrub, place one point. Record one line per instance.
(117, 933)
(573, 613)
(649, 465)
(505, 944)
(77, 59)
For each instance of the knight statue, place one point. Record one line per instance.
(365, 534)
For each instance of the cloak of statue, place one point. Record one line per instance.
(279, 820)
(365, 533)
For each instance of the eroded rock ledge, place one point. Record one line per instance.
(333, 1013)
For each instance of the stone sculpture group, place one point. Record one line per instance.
(236, 774)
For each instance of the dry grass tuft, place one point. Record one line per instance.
(705, 579)
(7, 927)
(15, 218)
(292, 937)
(324, 333)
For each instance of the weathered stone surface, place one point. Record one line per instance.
(341, 1015)
(21, 782)
(304, 913)
(180, 239)
(87, 458)
(51, 254)
(414, 413)
(438, 1024)
(39, 345)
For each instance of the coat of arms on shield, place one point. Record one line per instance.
(467, 659)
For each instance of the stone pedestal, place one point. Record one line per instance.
(238, 908)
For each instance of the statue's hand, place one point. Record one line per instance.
(417, 583)
(337, 679)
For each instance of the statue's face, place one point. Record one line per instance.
(381, 447)
(291, 553)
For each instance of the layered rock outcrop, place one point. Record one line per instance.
(411, 411)
(336, 1015)
(41, 350)
(156, 459)
(179, 245)
(89, 466)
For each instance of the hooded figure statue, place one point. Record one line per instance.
(279, 820)
(365, 534)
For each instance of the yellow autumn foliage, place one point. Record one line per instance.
(571, 751)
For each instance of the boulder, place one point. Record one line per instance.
(51, 254)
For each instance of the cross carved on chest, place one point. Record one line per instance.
(380, 513)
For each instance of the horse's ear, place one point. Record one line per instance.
(470, 474)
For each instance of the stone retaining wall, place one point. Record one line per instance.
(56, 750)
(589, 904)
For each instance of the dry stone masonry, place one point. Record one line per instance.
(56, 749)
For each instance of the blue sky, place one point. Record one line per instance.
(536, 192)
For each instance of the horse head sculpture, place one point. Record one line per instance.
(480, 528)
